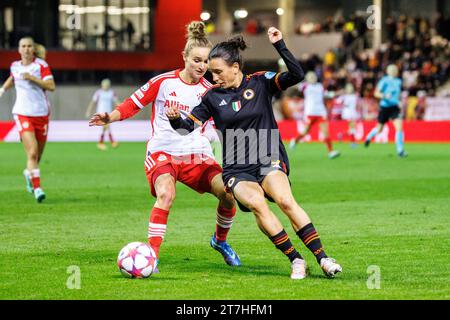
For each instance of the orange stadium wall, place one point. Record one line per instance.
(170, 19)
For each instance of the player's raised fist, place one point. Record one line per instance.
(274, 34)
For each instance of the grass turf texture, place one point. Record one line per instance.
(370, 208)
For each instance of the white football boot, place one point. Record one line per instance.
(334, 154)
(330, 267)
(39, 194)
(299, 269)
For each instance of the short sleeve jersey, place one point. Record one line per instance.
(167, 90)
(391, 88)
(31, 100)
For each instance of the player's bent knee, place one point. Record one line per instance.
(166, 197)
(258, 205)
(286, 203)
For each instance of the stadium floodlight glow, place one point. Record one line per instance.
(205, 16)
(241, 14)
(112, 10)
(93, 9)
(136, 10)
(280, 11)
(69, 8)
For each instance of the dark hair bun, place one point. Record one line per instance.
(238, 42)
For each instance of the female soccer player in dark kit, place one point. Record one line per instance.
(241, 106)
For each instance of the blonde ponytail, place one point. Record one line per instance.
(40, 51)
(196, 36)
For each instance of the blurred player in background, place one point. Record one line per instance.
(32, 78)
(389, 90)
(349, 101)
(171, 157)
(105, 99)
(315, 112)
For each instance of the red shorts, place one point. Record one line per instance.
(312, 120)
(38, 125)
(195, 171)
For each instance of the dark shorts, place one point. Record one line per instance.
(231, 180)
(388, 113)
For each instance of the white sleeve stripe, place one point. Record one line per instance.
(207, 83)
(163, 75)
(136, 101)
(47, 78)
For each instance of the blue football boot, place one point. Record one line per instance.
(231, 258)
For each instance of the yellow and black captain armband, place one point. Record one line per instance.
(196, 121)
(277, 81)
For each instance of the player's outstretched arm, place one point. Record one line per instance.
(199, 115)
(182, 126)
(7, 85)
(101, 119)
(295, 72)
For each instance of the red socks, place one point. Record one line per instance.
(224, 222)
(157, 228)
(35, 176)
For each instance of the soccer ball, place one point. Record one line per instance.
(137, 260)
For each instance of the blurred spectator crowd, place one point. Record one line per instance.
(417, 46)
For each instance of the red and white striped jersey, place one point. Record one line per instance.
(31, 100)
(166, 90)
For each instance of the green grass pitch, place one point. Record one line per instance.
(371, 209)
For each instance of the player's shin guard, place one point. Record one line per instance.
(400, 141)
(284, 244)
(311, 239)
(157, 228)
(35, 178)
(224, 222)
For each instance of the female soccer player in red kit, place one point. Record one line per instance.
(171, 157)
(32, 77)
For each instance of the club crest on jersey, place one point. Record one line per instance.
(270, 75)
(249, 94)
(276, 164)
(162, 158)
(236, 105)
